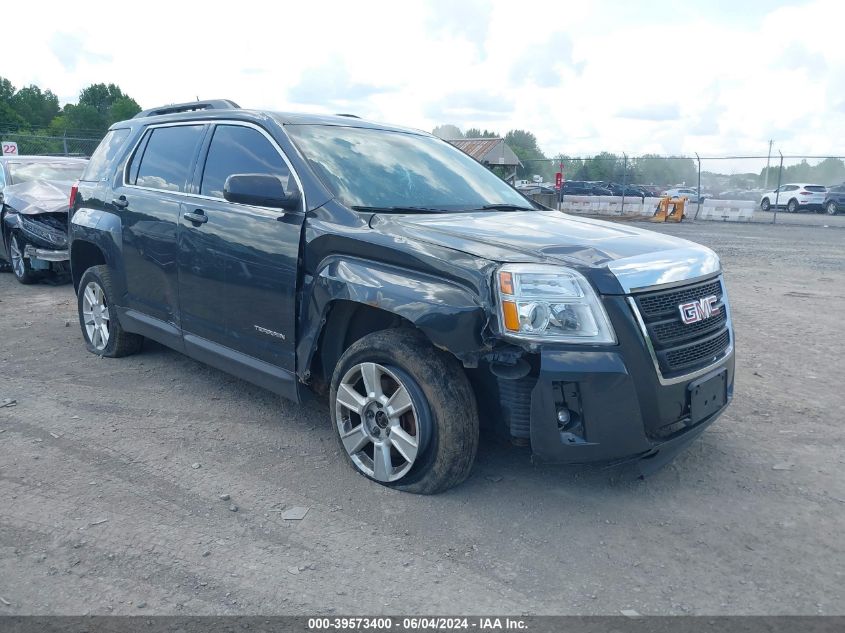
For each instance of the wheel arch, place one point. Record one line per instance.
(348, 299)
(346, 323)
(84, 255)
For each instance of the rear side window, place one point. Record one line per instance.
(236, 149)
(817, 188)
(167, 158)
(103, 157)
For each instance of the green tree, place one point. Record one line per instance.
(7, 90)
(35, 107)
(524, 145)
(474, 132)
(664, 171)
(9, 118)
(830, 171)
(122, 109)
(448, 132)
(98, 107)
(79, 118)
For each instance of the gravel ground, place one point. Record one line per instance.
(154, 484)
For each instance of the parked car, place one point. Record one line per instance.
(795, 197)
(273, 246)
(834, 200)
(681, 192)
(617, 189)
(577, 188)
(34, 191)
(651, 191)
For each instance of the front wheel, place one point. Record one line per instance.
(792, 207)
(765, 205)
(404, 412)
(21, 267)
(831, 208)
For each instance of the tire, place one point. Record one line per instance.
(831, 209)
(792, 206)
(440, 414)
(101, 330)
(21, 268)
(765, 205)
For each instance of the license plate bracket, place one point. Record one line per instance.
(707, 396)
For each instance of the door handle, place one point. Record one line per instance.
(121, 202)
(197, 216)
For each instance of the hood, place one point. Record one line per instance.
(633, 257)
(38, 196)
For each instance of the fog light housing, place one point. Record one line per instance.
(563, 416)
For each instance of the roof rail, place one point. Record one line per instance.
(351, 116)
(210, 104)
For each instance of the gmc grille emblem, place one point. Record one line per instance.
(696, 311)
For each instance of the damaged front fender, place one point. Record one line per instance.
(450, 316)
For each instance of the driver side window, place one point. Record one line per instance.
(236, 149)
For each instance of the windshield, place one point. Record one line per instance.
(381, 169)
(25, 172)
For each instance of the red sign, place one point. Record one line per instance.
(558, 180)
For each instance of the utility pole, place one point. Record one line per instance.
(768, 159)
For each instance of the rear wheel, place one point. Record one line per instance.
(102, 331)
(404, 412)
(21, 267)
(765, 205)
(792, 207)
(831, 208)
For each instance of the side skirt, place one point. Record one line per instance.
(258, 372)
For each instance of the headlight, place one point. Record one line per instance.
(550, 303)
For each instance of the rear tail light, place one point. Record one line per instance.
(74, 190)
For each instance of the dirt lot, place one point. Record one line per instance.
(112, 472)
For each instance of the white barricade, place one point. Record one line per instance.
(727, 210)
(714, 210)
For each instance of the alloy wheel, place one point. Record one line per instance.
(95, 315)
(378, 422)
(831, 208)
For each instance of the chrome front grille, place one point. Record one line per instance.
(680, 349)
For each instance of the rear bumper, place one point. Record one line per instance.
(615, 416)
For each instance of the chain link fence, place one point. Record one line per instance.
(761, 189)
(42, 143)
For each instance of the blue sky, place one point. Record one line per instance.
(716, 78)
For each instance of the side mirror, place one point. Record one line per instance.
(261, 190)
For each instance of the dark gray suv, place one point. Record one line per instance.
(386, 270)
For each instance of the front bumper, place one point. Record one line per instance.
(32, 252)
(619, 405)
(615, 418)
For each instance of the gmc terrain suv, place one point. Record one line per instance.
(385, 268)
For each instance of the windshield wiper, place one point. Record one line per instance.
(397, 209)
(505, 207)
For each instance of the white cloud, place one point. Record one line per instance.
(595, 76)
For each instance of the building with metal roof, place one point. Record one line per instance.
(488, 151)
